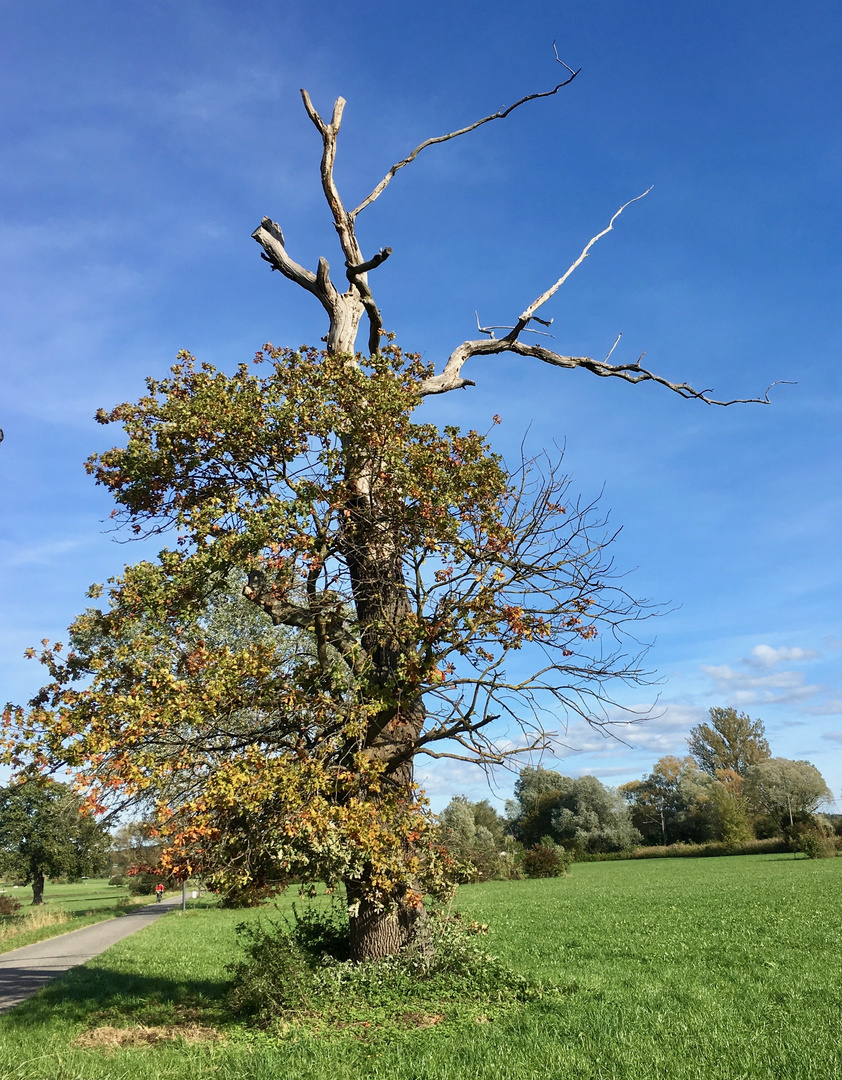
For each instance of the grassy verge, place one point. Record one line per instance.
(66, 908)
(721, 969)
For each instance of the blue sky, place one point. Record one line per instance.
(142, 143)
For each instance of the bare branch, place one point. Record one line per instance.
(614, 346)
(450, 378)
(528, 330)
(545, 296)
(501, 114)
(346, 308)
(336, 119)
(371, 264)
(343, 221)
(560, 61)
(270, 237)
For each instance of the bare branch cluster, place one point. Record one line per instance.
(345, 309)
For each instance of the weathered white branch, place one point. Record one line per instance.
(270, 237)
(451, 377)
(341, 218)
(345, 309)
(553, 289)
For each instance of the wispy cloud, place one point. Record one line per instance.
(764, 656)
(662, 729)
(753, 680)
(41, 554)
(832, 707)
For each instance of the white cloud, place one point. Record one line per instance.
(660, 729)
(833, 707)
(833, 736)
(764, 656)
(741, 687)
(667, 730)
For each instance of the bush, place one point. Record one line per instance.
(546, 859)
(8, 904)
(816, 841)
(771, 846)
(299, 969)
(118, 879)
(143, 884)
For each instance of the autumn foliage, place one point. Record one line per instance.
(395, 572)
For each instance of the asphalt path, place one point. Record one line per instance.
(24, 971)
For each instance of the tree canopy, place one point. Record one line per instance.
(786, 790)
(44, 834)
(731, 740)
(580, 814)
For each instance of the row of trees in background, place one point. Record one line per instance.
(729, 790)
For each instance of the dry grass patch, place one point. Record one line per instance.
(422, 1020)
(37, 918)
(111, 1038)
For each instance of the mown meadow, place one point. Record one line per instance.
(709, 968)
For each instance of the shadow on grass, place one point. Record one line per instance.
(91, 993)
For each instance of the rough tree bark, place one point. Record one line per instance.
(379, 590)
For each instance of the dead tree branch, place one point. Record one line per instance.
(501, 114)
(346, 309)
(586, 250)
(451, 378)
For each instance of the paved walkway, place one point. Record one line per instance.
(24, 971)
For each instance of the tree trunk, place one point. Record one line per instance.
(378, 932)
(38, 887)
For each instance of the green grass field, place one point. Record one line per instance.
(65, 908)
(708, 968)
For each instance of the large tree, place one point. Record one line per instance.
(44, 834)
(419, 571)
(731, 741)
(670, 804)
(578, 812)
(786, 790)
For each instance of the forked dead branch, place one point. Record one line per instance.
(345, 309)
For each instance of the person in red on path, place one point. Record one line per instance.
(159, 891)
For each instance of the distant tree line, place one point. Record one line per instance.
(728, 791)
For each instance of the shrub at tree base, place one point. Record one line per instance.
(299, 971)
